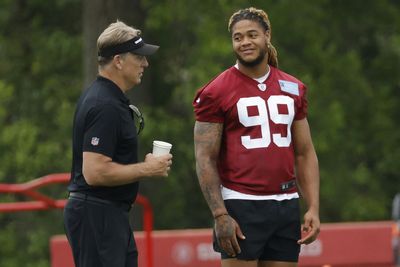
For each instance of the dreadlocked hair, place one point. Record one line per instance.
(261, 17)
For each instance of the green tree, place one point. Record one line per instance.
(346, 52)
(40, 79)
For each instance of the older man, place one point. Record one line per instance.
(105, 170)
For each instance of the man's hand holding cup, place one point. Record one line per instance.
(160, 159)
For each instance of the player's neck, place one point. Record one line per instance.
(254, 72)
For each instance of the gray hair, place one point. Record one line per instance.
(116, 33)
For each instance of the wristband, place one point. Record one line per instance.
(220, 215)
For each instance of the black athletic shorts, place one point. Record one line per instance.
(99, 234)
(272, 229)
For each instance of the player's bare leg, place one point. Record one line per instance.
(238, 263)
(276, 264)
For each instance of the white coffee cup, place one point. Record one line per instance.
(161, 148)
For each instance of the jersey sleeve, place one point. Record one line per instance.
(102, 128)
(207, 106)
(302, 104)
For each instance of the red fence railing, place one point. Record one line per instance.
(42, 202)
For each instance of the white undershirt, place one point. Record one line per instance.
(260, 79)
(232, 194)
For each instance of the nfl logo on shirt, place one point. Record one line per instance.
(262, 87)
(95, 141)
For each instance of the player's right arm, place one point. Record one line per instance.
(207, 142)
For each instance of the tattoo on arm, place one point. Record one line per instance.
(207, 141)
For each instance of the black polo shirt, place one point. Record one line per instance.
(104, 124)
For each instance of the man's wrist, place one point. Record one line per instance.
(220, 215)
(314, 208)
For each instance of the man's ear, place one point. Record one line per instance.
(117, 62)
(268, 36)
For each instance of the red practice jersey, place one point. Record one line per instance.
(256, 155)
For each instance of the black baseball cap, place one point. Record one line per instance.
(135, 45)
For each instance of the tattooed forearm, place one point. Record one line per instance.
(213, 196)
(207, 140)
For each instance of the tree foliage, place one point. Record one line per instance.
(348, 54)
(40, 80)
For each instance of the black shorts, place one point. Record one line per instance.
(99, 234)
(272, 229)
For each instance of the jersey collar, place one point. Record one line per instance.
(114, 89)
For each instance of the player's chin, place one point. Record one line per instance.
(250, 62)
(247, 57)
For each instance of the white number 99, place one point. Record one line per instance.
(262, 120)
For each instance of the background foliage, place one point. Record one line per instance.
(348, 53)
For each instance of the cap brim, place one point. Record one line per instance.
(146, 50)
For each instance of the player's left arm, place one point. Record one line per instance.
(307, 173)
